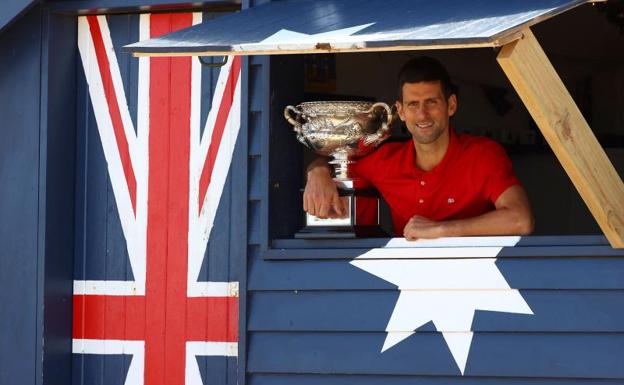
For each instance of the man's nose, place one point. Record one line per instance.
(421, 111)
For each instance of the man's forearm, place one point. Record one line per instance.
(504, 221)
(320, 163)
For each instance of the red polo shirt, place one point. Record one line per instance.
(473, 173)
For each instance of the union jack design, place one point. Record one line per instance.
(167, 179)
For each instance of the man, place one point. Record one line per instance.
(440, 184)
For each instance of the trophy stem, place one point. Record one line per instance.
(341, 165)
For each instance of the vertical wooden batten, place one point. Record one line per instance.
(566, 131)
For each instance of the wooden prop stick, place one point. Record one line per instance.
(567, 133)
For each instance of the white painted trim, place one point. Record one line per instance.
(431, 253)
(117, 288)
(131, 288)
(197, 18)
(202, 348)
(498, 241)
(213, 289)
(88, 346)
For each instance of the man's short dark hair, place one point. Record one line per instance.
(425, 69)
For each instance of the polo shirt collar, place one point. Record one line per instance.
(451, 151)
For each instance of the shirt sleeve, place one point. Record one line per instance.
(363, 169)
(498, 171)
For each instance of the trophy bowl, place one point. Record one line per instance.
(345, 130)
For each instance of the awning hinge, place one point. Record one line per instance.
(203, 61)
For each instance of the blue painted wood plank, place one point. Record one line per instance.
(254, 227)
(352, 379)
(533, 240)
(560, 355)
(116, 6)
(554, 311)
(506, 252)
(100, 369)
(20, 269)
(520, 273)
(257, 91)
(239, 242)
(265, 96)
(218, 370)
(255, 175)
(283, 25)
(58, 137)
(255, 127)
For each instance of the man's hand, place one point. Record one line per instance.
(320, 197)
(422, 228)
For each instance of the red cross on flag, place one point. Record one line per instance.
(167, 179)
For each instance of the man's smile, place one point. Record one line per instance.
(424, 125)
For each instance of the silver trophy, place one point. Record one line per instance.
(346, 131)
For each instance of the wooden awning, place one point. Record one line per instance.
(312, 26)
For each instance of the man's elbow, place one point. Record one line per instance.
(525, 222)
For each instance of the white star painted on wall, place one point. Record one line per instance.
(288, 36)
(437, 286)
(340, 39)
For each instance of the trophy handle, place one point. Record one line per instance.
(388, 113)
(384, 126)
(289, 118)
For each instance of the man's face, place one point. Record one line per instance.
(425, 110)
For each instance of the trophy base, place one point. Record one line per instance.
(358, 223)
(341, 232)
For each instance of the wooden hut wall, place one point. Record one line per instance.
(307, 314)
(19, 237)
(37, 128)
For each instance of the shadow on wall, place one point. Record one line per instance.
(558, 207)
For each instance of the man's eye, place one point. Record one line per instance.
(432, 102)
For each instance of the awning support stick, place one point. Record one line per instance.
(567, 132)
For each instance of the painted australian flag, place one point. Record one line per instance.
(156, 285)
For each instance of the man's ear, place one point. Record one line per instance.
(399, 107)
(452, 105)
